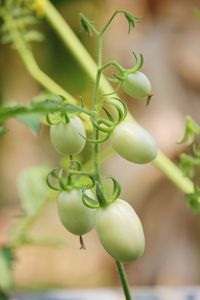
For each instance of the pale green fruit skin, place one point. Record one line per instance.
(120, 231)
(74, 215)
(137, 85)
(133, 143)
(65, 137)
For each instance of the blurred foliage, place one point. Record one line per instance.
(6, 275)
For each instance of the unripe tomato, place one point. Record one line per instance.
(120, 231)
(133, 143)
(65, 137)
(74, 215)
(137, 85)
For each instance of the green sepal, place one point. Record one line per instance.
(131, 20)
(116, 190)
(86, 24)
(89, 202)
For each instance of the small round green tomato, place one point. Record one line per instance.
(74, 215)
(65, 137)
(120, 231)
(133, 143)
(137, 85)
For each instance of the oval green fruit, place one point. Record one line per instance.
(133, 143)
(65, 137)
(120, 231)
(74, 215)
(137, 85)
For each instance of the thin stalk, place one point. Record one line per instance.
(72, 43)
(123, 278)
(85, 60)
(96, 146)
(96, 159)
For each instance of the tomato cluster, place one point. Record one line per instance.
(117, 225)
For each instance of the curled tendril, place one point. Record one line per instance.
(110, 117)
(138, 63)
(53, 176)
(89, 202)
(57, 118)
(107, 125)
(93, 140)
(121, 108)
(60, 179)
(97, 124)
(75, 165)
(116, 190)
(77, 183)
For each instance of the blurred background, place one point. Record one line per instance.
(169, 38)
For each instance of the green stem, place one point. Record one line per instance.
(74, 45)
(115, 64)
(31, 65)
(174, 173)
(123, 279)
(96, 146)
(118, 11)
(85, 60)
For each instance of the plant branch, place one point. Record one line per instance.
(31, 64)
(85, 60)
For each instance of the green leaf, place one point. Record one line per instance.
(193, 201)
(6, 261)
(3, 130)
(33, 189)
(192, 130)
(4, 295)
(188, 164)
(33, 121)
(43, 107)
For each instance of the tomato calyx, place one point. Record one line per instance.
(106, 125)
(62, 180)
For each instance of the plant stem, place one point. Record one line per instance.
(96, 155)
(74, 45)
(174, 173)
(85, 60)
(123, 279)
(31, 64)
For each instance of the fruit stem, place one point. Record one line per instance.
(123, 278)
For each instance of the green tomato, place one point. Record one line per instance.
(133, 143)
(120, 231)
(74, 215)
(137, 85)
(65, 137)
